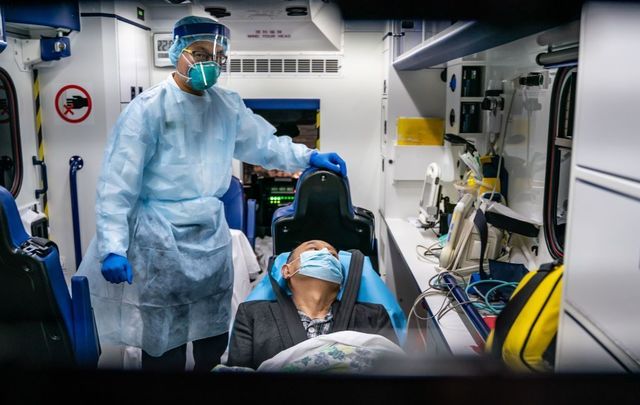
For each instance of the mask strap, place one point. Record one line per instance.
(187, 78)
(299, 268)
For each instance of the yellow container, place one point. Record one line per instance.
(420, 131)
(488, 183)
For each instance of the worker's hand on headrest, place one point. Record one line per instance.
(330, 161)
(116, 269)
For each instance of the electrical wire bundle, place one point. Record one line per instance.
(486, 303)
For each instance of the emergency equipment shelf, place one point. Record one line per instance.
(452, 326)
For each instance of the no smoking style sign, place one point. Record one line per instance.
(73, 103)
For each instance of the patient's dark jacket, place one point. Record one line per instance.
(258, 334)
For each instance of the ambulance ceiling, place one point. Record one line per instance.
(275, 25)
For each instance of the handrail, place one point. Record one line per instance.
(75, 163)
(43, 174)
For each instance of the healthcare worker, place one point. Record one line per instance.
(160, 222)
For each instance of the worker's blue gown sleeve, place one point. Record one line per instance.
(128, 152)
(257, 145)
(166, 164)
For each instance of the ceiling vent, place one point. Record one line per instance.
(317, 66)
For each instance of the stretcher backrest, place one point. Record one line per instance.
(322, 210)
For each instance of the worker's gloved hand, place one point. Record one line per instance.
(116, 269)
(330, 161)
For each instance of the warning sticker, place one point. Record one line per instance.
(73, 103)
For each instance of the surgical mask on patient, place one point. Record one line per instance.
(320, 264)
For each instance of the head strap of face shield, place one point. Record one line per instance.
(201, 29)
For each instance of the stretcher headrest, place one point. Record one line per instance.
(322, 210)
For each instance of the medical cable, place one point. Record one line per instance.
(428, 251)
(439, 290)
(417, 301)
(495, 308)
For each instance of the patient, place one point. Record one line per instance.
(314, 276)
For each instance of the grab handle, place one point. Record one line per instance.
(43, 175)
(75, 163)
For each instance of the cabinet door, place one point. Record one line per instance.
(128, 49)
(143, 58)
(579, 352)
(603, 262)
(606, 132)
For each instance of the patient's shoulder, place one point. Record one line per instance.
(372, 314)
(255, 307)
(369, 307)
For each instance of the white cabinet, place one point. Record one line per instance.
(603, 259)
(608, 88)
(602, 262)
(134, 47)
(579, 352)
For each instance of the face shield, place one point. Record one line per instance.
(204, 46)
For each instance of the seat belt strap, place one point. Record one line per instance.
(350, 292)
(293, 325)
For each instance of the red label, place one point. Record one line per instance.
(73, 103)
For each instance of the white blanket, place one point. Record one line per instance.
(345, 351)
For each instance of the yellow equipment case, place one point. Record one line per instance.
(525, 333)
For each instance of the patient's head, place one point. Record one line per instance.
(313, 266)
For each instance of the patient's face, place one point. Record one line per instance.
(294, 263)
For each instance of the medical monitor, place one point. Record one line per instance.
(429, 211)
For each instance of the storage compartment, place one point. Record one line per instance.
(606, 131)
(602, 283)
(470, 117)
(471, 81)
(578, 351)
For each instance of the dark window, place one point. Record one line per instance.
(10, 153)
(559, 159)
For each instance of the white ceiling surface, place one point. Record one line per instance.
(319, 31)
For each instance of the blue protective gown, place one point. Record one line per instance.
(167, 163)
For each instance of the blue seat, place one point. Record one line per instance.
(40, 323)
(322, 210)
(239, 215)
(372, 290)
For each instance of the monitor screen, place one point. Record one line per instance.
(430, 194)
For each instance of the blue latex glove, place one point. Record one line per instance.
(116, 269)
(330, 161)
